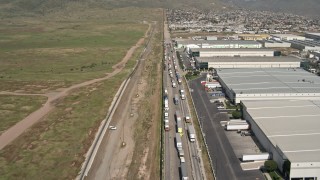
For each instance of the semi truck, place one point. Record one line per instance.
(176, 99)
(255, 157)
(178, 142)
(192, 133)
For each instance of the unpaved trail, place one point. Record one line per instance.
(13, 132)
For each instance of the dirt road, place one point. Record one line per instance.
(12, 133)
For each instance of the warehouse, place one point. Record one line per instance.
(230, 52)
(290, 131)
(184, 43)
(254, 36)
(307, 45)
(287, 37)
(248, 62)
(271, 43)
(315, 36)
(269, 84)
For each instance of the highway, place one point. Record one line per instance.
(224, 161)
(191, 154)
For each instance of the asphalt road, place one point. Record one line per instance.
(224, 161)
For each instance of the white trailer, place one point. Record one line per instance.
(184, 173)
(237, 127)
(178, 142)
(178, 117)
(192, 133)
(255, 157)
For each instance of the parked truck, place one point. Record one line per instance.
(230, 127)
(178, 142)
(176, 99)
(192, 133)
(255, 157)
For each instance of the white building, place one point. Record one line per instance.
(271, 43)
(269, 84)
(307, 45)
(288, 130)
(287, 37)
(183, 43)
(230, 52)
(248, 62)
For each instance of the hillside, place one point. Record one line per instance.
(299, 7)
(11, 8)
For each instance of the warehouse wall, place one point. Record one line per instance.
(254, 64)
(289, 96)
(239, 53)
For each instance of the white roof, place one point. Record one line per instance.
(270, 80)
(286, 35)
(249, 59)
(292, 125)
(313, 33)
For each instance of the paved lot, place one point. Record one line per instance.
(224, 160)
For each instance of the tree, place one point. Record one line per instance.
(236, 114)
(270, 165)
(286, 167)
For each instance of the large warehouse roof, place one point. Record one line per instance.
(269, 80)
(248, 59)
(188, 41)
(293, 126)
(229, 49)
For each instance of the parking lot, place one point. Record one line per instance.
(225, 148)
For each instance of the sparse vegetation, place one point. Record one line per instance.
(14, 108)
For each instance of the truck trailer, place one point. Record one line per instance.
(255, 157)
(192, 133)
(176, 99)
(235, 127)
(178, 142)
(184, 172)
(179, 128)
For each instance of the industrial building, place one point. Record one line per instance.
(287, 37)
(187, 43)
(290, 131)
(271, 43)
(230, 52)
(269, 84)
(254, 37)
(248, 62)
(315, 36)
(307, 45)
